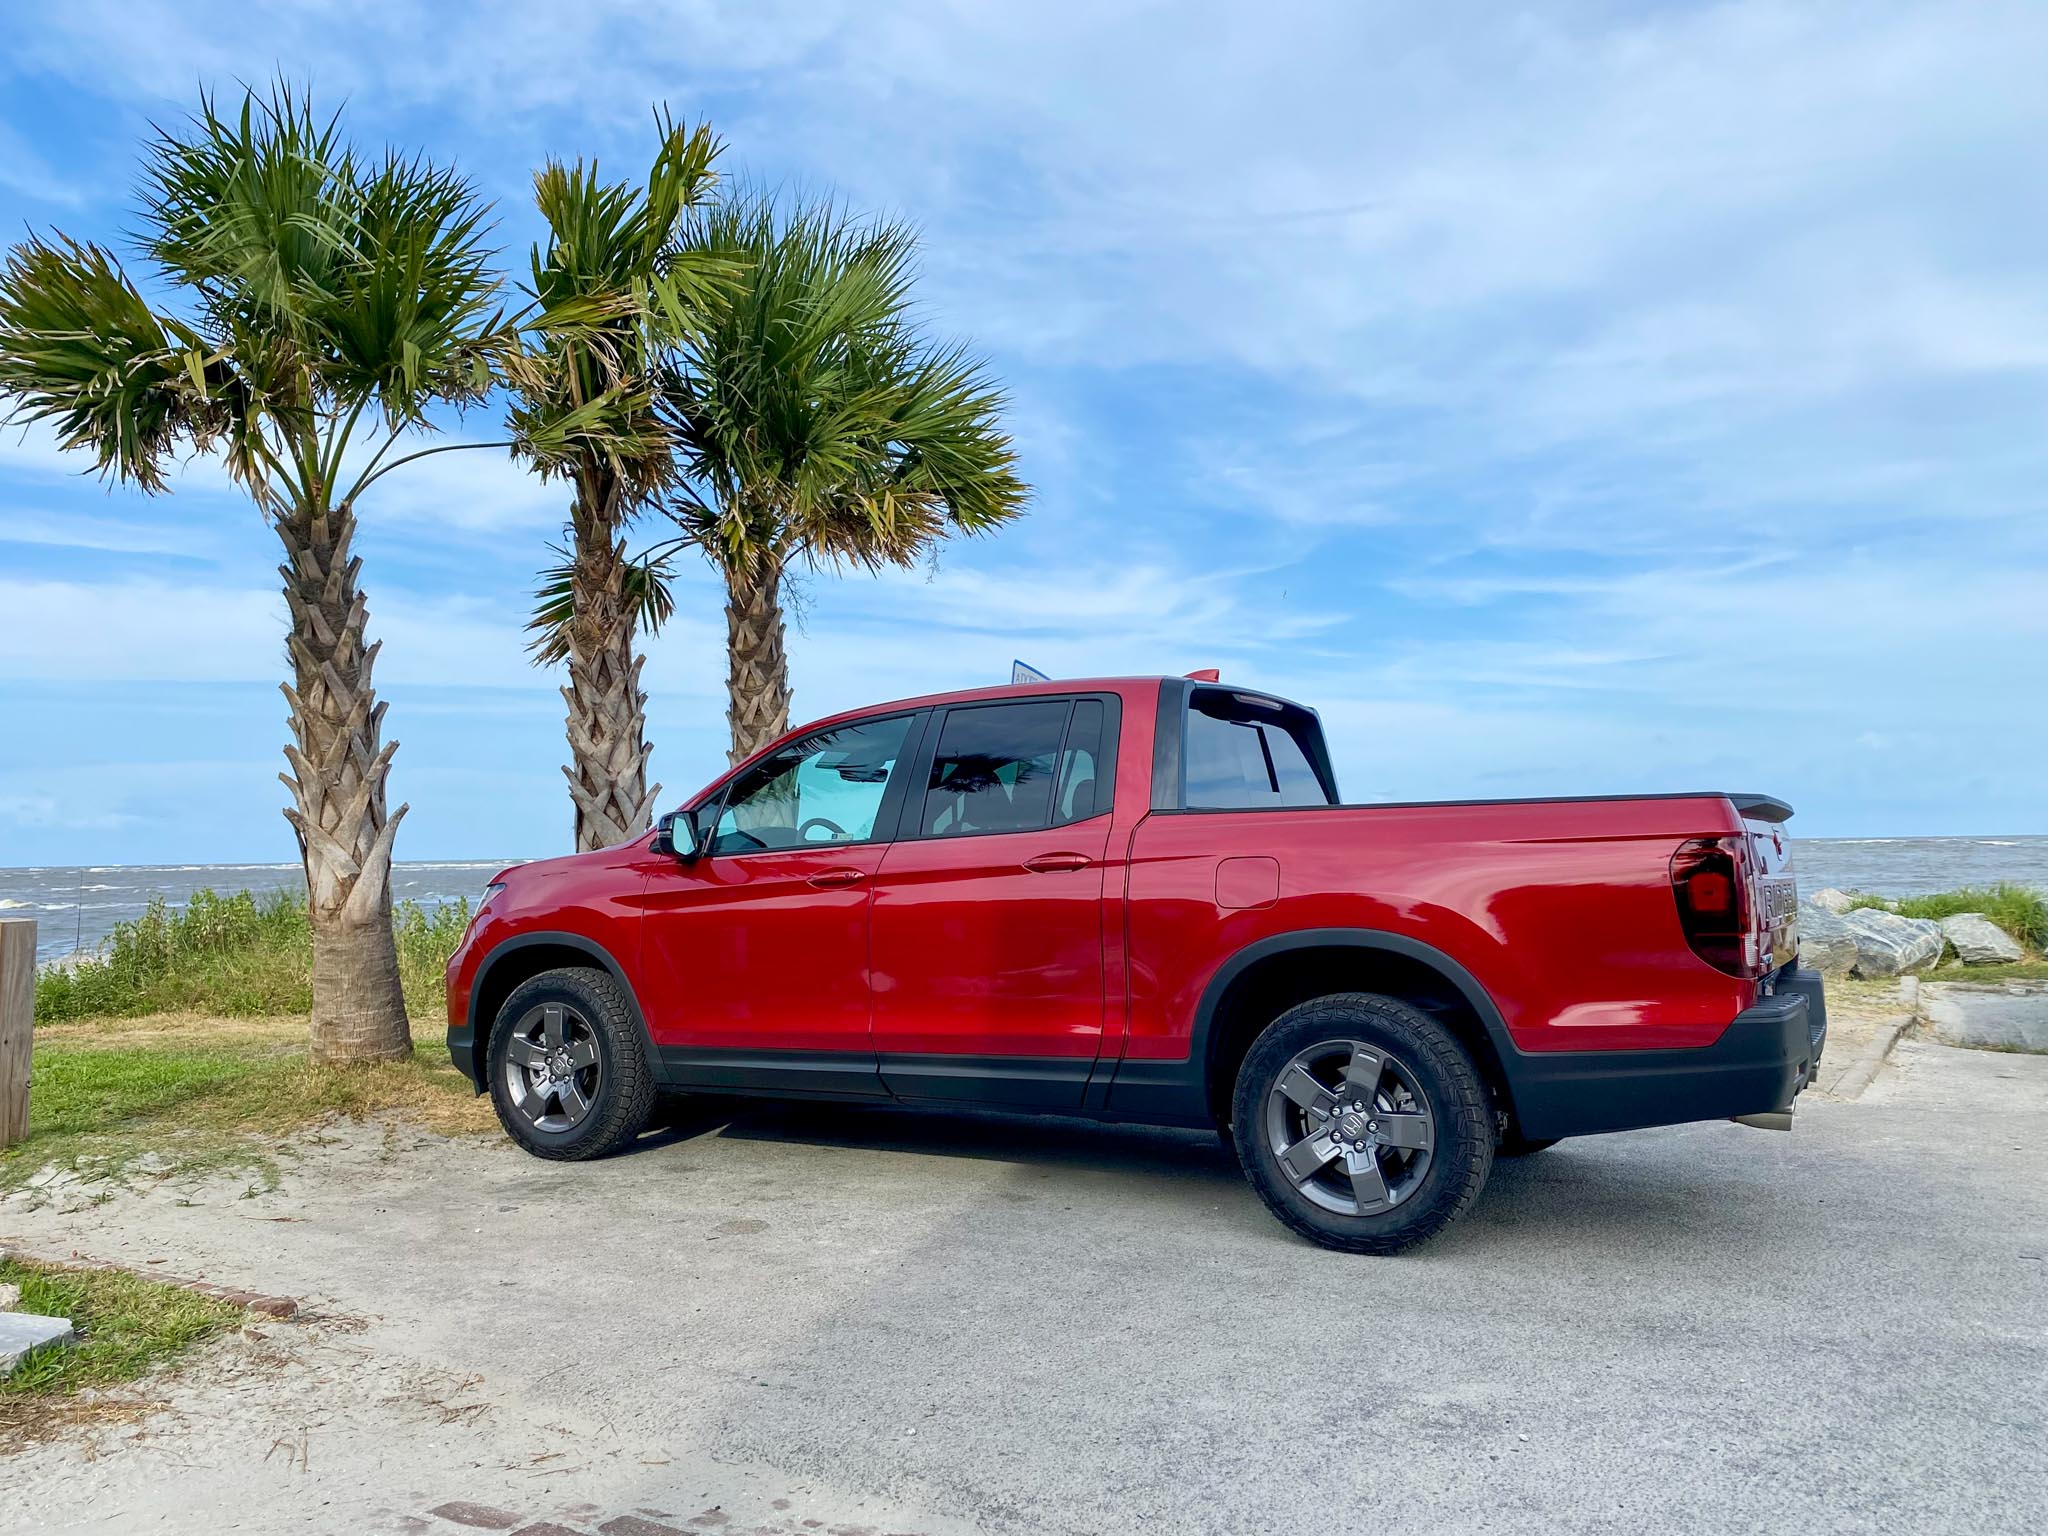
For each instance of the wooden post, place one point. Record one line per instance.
(17, 1023)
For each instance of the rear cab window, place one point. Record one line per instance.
(1244, 751)
(1017, 766)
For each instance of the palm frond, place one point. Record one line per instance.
(81, 349)
(812, 418)
(644, 588)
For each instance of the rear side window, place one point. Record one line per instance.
(1244, 751)
(1083, 787)
(1016, 767)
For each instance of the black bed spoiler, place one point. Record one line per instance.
(1761, 807)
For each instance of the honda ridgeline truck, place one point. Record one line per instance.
(1142, 900)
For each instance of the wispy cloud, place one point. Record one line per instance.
(1562, 396)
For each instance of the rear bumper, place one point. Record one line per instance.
(1767, 1054)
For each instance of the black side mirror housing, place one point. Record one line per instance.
(676, 835)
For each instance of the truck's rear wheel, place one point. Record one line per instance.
(1362, 1123)
(569, 1075)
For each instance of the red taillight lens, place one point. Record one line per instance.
(1711, 883)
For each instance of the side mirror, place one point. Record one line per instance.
(676, 835)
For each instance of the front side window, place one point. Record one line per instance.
(1245, 751)
(1016, 767)
(816, 791)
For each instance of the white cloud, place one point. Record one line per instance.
(148, 629)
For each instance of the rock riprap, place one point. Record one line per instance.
(1890, 945)
(1979, 941)
(1825, 942)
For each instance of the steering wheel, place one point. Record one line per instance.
(803, 833)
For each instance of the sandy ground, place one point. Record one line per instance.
(873, 1320)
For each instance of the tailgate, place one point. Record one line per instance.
(1776, 892)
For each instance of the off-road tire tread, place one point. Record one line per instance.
(625, 1097)
(1469, 1117)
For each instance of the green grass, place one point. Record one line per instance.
(205, 1093)
(125, 1325)
(76, 1092)
(235, 956)
(2019, 970)
(2020, 910)
(186, 1038)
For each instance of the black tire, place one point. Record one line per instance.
(1437, 1079)
(621, 1080)
(1515, 1144)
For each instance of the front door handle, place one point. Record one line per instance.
(1045, 863)
(832, 879)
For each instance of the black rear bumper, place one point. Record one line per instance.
(1767, 1054)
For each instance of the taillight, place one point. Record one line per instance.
(1710, 878)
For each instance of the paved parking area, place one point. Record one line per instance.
(861, 1320)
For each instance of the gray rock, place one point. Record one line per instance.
(1832, 900)
(21, 1332)
(1825, 942)
(10, 1297)
(1980, 941)
(1890, 945)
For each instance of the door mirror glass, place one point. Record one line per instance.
(676, 835)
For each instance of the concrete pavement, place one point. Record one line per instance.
(823, 1319)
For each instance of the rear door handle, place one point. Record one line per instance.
(1045, 863)
(830, 879)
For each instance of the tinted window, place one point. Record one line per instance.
(1243, 751)
(1083, 787)
(822, 789)
(993, 771)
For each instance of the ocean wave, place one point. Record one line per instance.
(9, 904)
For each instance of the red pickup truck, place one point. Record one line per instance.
(1142, 900)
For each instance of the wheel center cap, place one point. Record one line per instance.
(1351, 1126)
(558, 1064)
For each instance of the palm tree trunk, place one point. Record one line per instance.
(607, 710)
(757, 671)
(337, 782)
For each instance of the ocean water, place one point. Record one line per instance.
(76, 908)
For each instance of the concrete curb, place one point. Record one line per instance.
(284, 1308)
(1861, 1072)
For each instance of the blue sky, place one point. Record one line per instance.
(1570, 399)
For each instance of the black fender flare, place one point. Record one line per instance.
(464, 1044)
(1476, 997)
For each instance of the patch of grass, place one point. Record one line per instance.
(2019, 970)
(236, 956)
(126, 1326)
(202, 1092)
(2020, 910)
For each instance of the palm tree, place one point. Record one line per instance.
(814, 423)
(327, 300)
(612, 290)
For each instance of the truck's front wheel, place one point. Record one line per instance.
(569, 1077)
(1362, 1123)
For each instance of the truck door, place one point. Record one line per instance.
(987, 937)
(757, 952)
